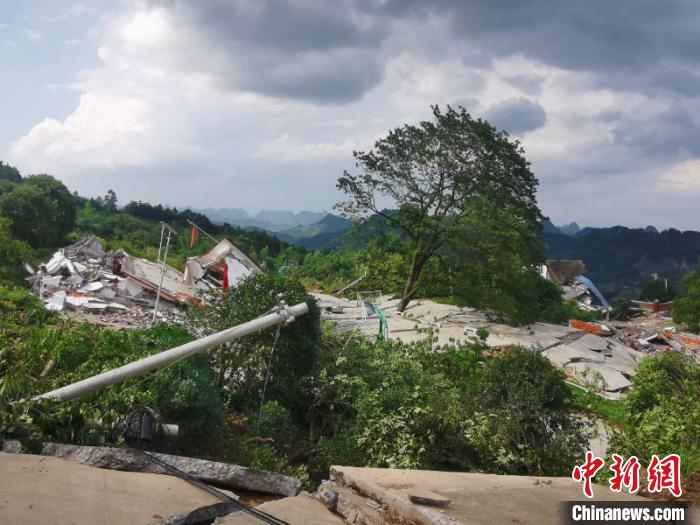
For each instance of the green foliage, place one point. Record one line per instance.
(610, 410)
(378, 405)
(659, 289)
(39, 352)
(41, 209)
(686, 308)
(9, 173)
(12, 254)
(20, 311)
(389, 404)
(521, 423)
(294, 354)
(442, 176)
(330, 270)
(664, 412)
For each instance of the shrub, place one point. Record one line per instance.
(686, 308)
(242, 365)
(521, 422)
(664, 412)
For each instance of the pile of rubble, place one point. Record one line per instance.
(115, 288)
(649, 339)
(575, 286)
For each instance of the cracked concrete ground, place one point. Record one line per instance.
(588, 359)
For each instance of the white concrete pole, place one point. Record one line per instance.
(283, 314)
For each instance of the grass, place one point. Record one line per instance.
(612, 411)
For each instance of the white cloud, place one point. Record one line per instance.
(682, 177)
(32, 34)
(179, 96)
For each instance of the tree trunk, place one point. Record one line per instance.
(410, 289)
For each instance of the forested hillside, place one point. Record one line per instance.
(621, 260)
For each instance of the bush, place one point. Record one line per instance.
(12, 254)
(41, 209)
(388, 404)
(686, 308)
(664, 412)
(521, 422)
(42, 358)
(242, 364)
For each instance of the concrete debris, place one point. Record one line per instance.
(655, 338)
(575, 286)
(113, 288)
(225, 258)
(353, 507)
(424, 496)
(215, 473)
(481, 499)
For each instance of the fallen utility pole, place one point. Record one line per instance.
(282, 314)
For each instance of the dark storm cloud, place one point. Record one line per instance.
(331, 51)
(530, 84)
(596, 35)
(671, 134)
(319, 51)
(517, 115)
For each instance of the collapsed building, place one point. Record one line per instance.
(568, 274)
(115, 288)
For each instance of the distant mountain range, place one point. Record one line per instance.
(324, 234)
(270, 220)
(573, 230)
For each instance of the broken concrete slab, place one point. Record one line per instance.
(395, 501)
(354, 508)
(427, 497)
(148, 275)
(56, 302)
(92, 286)
(563, 270)
(481, 499)
(564, 354)
(590, 342)
(215, 473)
(592, 373)
(302, 509)
(37, 490)
(87, 248)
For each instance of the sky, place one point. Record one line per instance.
(259, 104)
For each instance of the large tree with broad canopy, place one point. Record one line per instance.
(432, 176)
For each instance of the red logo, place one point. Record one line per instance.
(665, 474)
(625, 475)
(587, 471)
(662, 474)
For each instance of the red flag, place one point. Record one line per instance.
(224, 286)
(194, 237)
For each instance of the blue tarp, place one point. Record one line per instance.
(592, 287)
